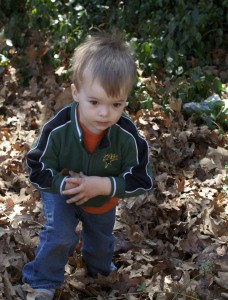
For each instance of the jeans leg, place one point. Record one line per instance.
(57, 241)
(98, 242)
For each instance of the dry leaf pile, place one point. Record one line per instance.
(170, 243)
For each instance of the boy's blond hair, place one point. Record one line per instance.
(108, 59)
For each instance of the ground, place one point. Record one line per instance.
(170, 243)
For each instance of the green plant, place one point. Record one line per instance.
(169, 40)
(166, 33)
(141, 287)
(3, 61)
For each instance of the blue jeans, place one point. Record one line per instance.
(58, 240)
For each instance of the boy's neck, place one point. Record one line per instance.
(85, 129)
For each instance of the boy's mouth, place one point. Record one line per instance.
(102, 123)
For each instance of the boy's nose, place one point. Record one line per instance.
(104, 111)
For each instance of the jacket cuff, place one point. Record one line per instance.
(63, 184)
(59, 184)
(118, 187)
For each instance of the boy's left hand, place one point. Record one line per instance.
(87, 187)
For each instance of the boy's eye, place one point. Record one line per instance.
(117, 104)
(93, 102)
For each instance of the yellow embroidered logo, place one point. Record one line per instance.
(109, 158)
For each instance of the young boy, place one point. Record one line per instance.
(93, 137)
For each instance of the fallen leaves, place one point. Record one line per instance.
(170, 243)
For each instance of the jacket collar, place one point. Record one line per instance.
(105, 142)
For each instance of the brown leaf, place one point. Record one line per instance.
(224, 295)
(222, 279)
(175, 104)
(9, 204)
(193, 244)
(9, 290)
(62, 98)
(180, 183)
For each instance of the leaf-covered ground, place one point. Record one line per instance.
(170, 243)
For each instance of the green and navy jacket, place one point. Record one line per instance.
(122, 155)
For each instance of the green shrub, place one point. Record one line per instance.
(168, 36)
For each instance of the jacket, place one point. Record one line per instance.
(122, 155)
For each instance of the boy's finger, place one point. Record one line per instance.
(73, 180)
(70, 191)
(76, 200)
(71, 200)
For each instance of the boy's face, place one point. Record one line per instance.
(98, 111)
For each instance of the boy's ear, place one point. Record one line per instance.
(74, 92)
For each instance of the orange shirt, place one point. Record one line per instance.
(91, 141)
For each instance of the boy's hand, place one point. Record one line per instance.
(86, 187)
(68, 185)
